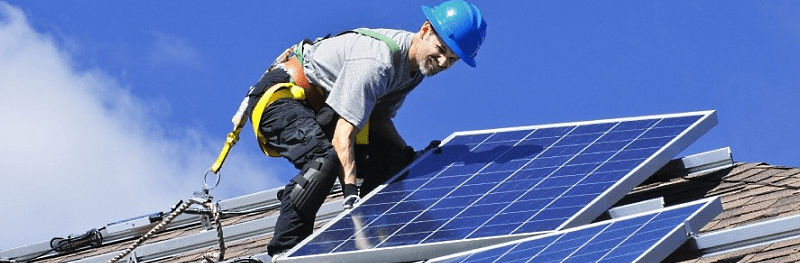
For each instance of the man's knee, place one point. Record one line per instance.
(313, 185)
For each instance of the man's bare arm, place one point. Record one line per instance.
(344, 139)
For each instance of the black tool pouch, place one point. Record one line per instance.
(326, 118)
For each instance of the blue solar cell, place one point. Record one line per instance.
(615, 241)
(636, 125)
(590, 158)
(504, 197)
(614, 165)
(490, 230)
(514, 253)
(578, 139)
(551, 132)
(504, 182)
(461, 201)
(536, 145)
(470, 139)
(635, 154)
(678, 121)
(512, 136)
(606, 146)
(510, 166)
(546, 162)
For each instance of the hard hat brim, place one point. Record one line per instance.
(437, 25)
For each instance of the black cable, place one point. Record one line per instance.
(40, 255)
(247, 260)
(245, 212)
(91, 238)
(229, 212)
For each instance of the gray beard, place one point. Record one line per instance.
(427, 70)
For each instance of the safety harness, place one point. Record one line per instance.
(274, 93)
(301, 89)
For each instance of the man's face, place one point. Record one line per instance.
(435, 56)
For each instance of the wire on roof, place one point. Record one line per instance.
(247, 260)
(91, 238)
(226, 213)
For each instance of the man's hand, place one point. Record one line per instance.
(350, 196)
(433, 145)
(350, 201)
(238, 121)
(240, 118)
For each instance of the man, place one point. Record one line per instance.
(350, 82)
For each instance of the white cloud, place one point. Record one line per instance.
(172, 50)
(78, 150)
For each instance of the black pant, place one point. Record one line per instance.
(291, 130)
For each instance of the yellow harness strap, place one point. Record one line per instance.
(233, 137)
(276, 92)
(363, 136)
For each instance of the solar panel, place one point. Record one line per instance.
(641, 238)
(511, 181)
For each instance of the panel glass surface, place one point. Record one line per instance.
(619, 241)
(500, 183)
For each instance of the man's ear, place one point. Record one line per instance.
(426, 28)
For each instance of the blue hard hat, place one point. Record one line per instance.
(460, 25)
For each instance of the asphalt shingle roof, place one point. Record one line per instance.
(750, 192)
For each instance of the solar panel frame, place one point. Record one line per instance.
(638, 175)
(709, 208)
(647, 168)
(706, 120)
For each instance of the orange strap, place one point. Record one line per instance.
(313, 92)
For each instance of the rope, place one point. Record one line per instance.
(217, 216)
(166, 221)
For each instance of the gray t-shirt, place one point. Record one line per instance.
(359, 75)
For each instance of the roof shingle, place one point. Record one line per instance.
(750, 192)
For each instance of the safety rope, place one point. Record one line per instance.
(202, 198)
(209, 257)
(183, 206)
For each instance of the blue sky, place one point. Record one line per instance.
(128, 103)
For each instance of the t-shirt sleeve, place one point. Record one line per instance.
(360, 85)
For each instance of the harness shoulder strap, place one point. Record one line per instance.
(298, 50)
(383, 38)
(393, 46)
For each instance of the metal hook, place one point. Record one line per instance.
(204, 194)
(205, 180)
